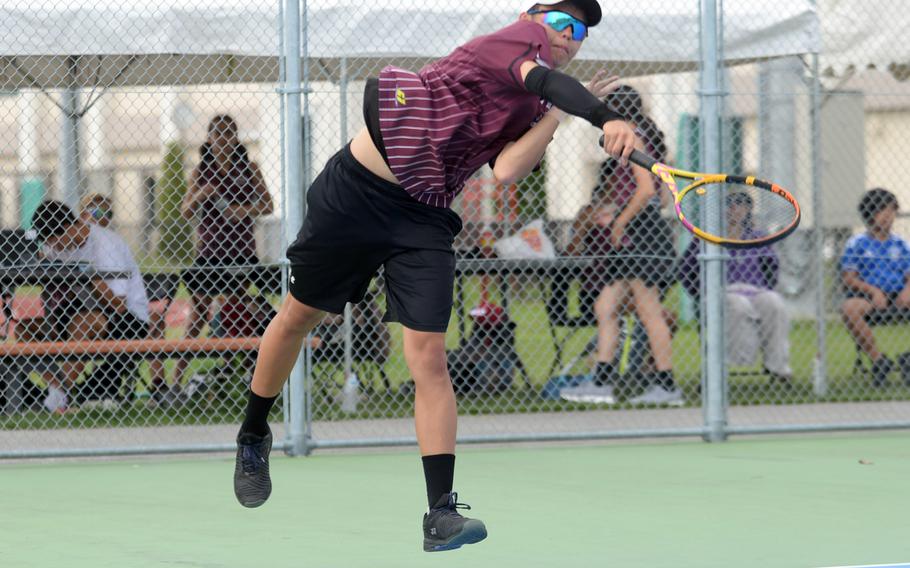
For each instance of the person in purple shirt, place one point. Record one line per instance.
(757, 317)
(383, 201)
(875, 270)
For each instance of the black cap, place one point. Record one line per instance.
(51, 218)
(590, 8)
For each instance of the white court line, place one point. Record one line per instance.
(905, 565)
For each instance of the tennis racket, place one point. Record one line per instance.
(755, 212)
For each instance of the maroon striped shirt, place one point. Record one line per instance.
(440, 125)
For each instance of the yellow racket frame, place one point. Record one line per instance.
(669, 174)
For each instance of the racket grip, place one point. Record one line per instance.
(638, 158)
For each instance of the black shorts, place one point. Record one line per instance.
(650, 254)
(357, 222)
(214, 277)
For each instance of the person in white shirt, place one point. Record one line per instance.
(98, 209)
(111, 308)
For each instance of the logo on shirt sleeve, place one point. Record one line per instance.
(400, 97)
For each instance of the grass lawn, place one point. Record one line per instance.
(535, 348)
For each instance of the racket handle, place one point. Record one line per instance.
(639, 158)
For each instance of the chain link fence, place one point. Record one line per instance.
(141, 214)
(151, 164)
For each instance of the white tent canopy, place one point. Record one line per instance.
(167, 42)
(857, 35)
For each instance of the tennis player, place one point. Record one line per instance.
(384, 199)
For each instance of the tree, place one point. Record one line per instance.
(175, 244)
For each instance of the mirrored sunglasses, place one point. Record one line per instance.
(561, 20)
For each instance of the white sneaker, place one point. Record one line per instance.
(195, 386)
(103, 404)
(590, 393)
(658, 395)
(350, 394)
(56, 400)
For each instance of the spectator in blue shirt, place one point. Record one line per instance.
(874, 269)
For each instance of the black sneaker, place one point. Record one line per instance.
(778, 380)
(903, 364)
(252, 484)
(881, 368)
(445, 529)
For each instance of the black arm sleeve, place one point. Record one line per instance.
(569, 95)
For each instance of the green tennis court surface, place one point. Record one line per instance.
(769, 503)
(875, 566)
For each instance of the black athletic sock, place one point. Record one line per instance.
(439, 471)
(604, 374)
(664, 379)
(257, 415)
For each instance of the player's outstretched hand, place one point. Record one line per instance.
(602, 84)
(619, 140)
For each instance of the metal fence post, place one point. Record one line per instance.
(820, 369)
(295, 204)
(710, 116)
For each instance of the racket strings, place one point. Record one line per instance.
(740, 212)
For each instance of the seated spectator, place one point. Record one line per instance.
(114, 308)
(875, 267)
(99, 210)
(756, 315)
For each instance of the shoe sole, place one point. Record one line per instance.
(473, 532)
(589, 399)
(258, 502)
(252, 504)
(674, 404)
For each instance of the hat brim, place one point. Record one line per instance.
(590, 8)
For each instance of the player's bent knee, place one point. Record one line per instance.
(426, 360)
(425, 354)
(297, 318)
